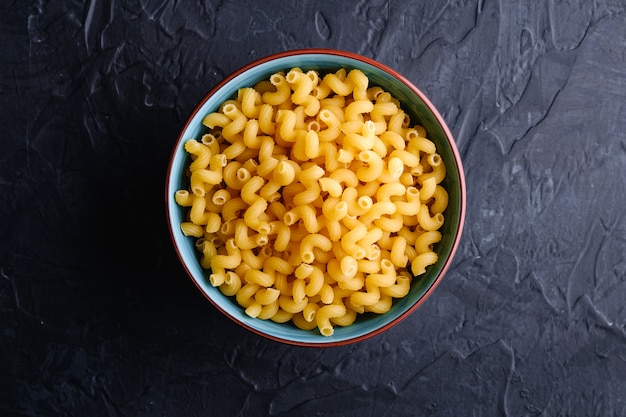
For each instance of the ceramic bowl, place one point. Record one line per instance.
(421, 111)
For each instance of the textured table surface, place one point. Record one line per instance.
(98, 318)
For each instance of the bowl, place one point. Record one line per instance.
(421, 111)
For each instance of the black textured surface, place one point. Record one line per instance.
(97, 317)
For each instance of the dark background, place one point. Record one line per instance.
(98, 318)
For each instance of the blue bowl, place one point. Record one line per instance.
(421, 111)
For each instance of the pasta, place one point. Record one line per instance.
(313, 199)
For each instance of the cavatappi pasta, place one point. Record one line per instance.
(312, 196)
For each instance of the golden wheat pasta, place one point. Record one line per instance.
(367, 266)
(407, 208)
(192, 229)
(309, 311)
(382, 306)
(250, 189)
(421, 261)
(254, 309)
(389, 190)
(252, 216)
(393, 140)
(426, 221)
(333, 269)
(250, 134)
(265, 296)
(215, 119)
(242, 237)
(200, 151)
(408, 234)
(282, 284)
(396, 125)
(213, 222)
(228, 229)
(283, 236)
(184, 198)
(352, 126)
(332, 122)
(358, 142)
(400, 288)
(266, 119)
(440, 200)
(287, 120)
(282, 93)
(353, 284)
(231, 285)
(250, 102)
(408, 159)
(200, 178)
(212, 142)
(315, 283)
(298, 290)
(358, 79)
(290, 305)
(345, 320)
(238, 149)
(300, 83)
(382, 109)
(259, 277)
(331, 186)
(220, 197)
(235, 175)
(237, 124)
(417, 144)
(385, 279)
(208, 249)
(267, 167)
(350, 239)
(324, 314)
(438, 173)
(281, 316)
(372, 236)
(264, 86)
(406, 178)
(391, 223)
(229, 261)
(373, 166)
(269, 311)
(311, 144)
(245, 295)
(197, 213)
(356, 206)
(364, 298)
(298, 232)
(270, 191)
(275, 264)
(233, 208)
(398, 256)
(428, 189)
(303, 86)
(307, 196)
(377, 210)
(310, 241)
(251, 259)
(334, 209)
(301, 322)
(338, 84)
(424, 241)
(355, 110)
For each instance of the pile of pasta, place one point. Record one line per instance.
(312, 196)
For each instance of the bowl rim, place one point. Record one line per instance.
(444, 127)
